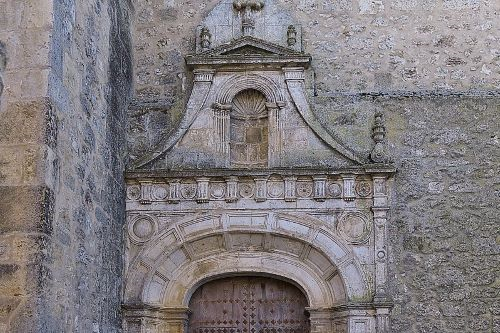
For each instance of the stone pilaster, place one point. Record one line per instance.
(221, 126)
(382, 300)
(275, 133)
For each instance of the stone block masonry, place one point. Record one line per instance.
(62, 132)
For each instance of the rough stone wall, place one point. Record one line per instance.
(445, 240)
(62, 134)
(433, 67)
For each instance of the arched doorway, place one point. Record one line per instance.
(248, 304)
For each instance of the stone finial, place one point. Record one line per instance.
(3, 64)
(251, 4)
(379, 152)
(205, 38)
(291, 36)
(247, 7)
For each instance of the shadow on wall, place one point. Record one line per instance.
(3, 64)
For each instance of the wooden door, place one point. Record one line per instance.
(248, 305)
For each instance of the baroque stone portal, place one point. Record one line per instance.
(251, 185)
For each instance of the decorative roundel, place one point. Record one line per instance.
(335, 190)
(275, 189)
(354, 227)
(304, 189)
(188, 191)
(159, 192)
(218, 190)
(363, 189)
(381, 255)
(134, 192)
(141, 228)
(246, 190)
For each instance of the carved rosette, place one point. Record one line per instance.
(133, 192)
(304, 189)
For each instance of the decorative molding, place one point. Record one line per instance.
(203, 188)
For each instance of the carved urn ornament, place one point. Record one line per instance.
(250, 190)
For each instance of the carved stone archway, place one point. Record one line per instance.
(316, 214)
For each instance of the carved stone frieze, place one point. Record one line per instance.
(289, 188)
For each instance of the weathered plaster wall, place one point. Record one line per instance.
(62, 134)
(433, 68)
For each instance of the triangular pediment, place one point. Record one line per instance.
(248, 45)
(249, 50)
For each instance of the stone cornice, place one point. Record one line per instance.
(162, 173)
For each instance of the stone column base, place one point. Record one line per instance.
(142, 318)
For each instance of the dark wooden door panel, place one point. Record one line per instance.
(248, 305)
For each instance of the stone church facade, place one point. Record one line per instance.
(249, 166)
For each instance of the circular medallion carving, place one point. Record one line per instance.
(134, 192)
(354, 227)
(275, 189)
(141, 228)
(304, 190)
(159, 192)
(335, 190)
(363, 189)
(188, 190)
(246, 190)
(218, 191)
